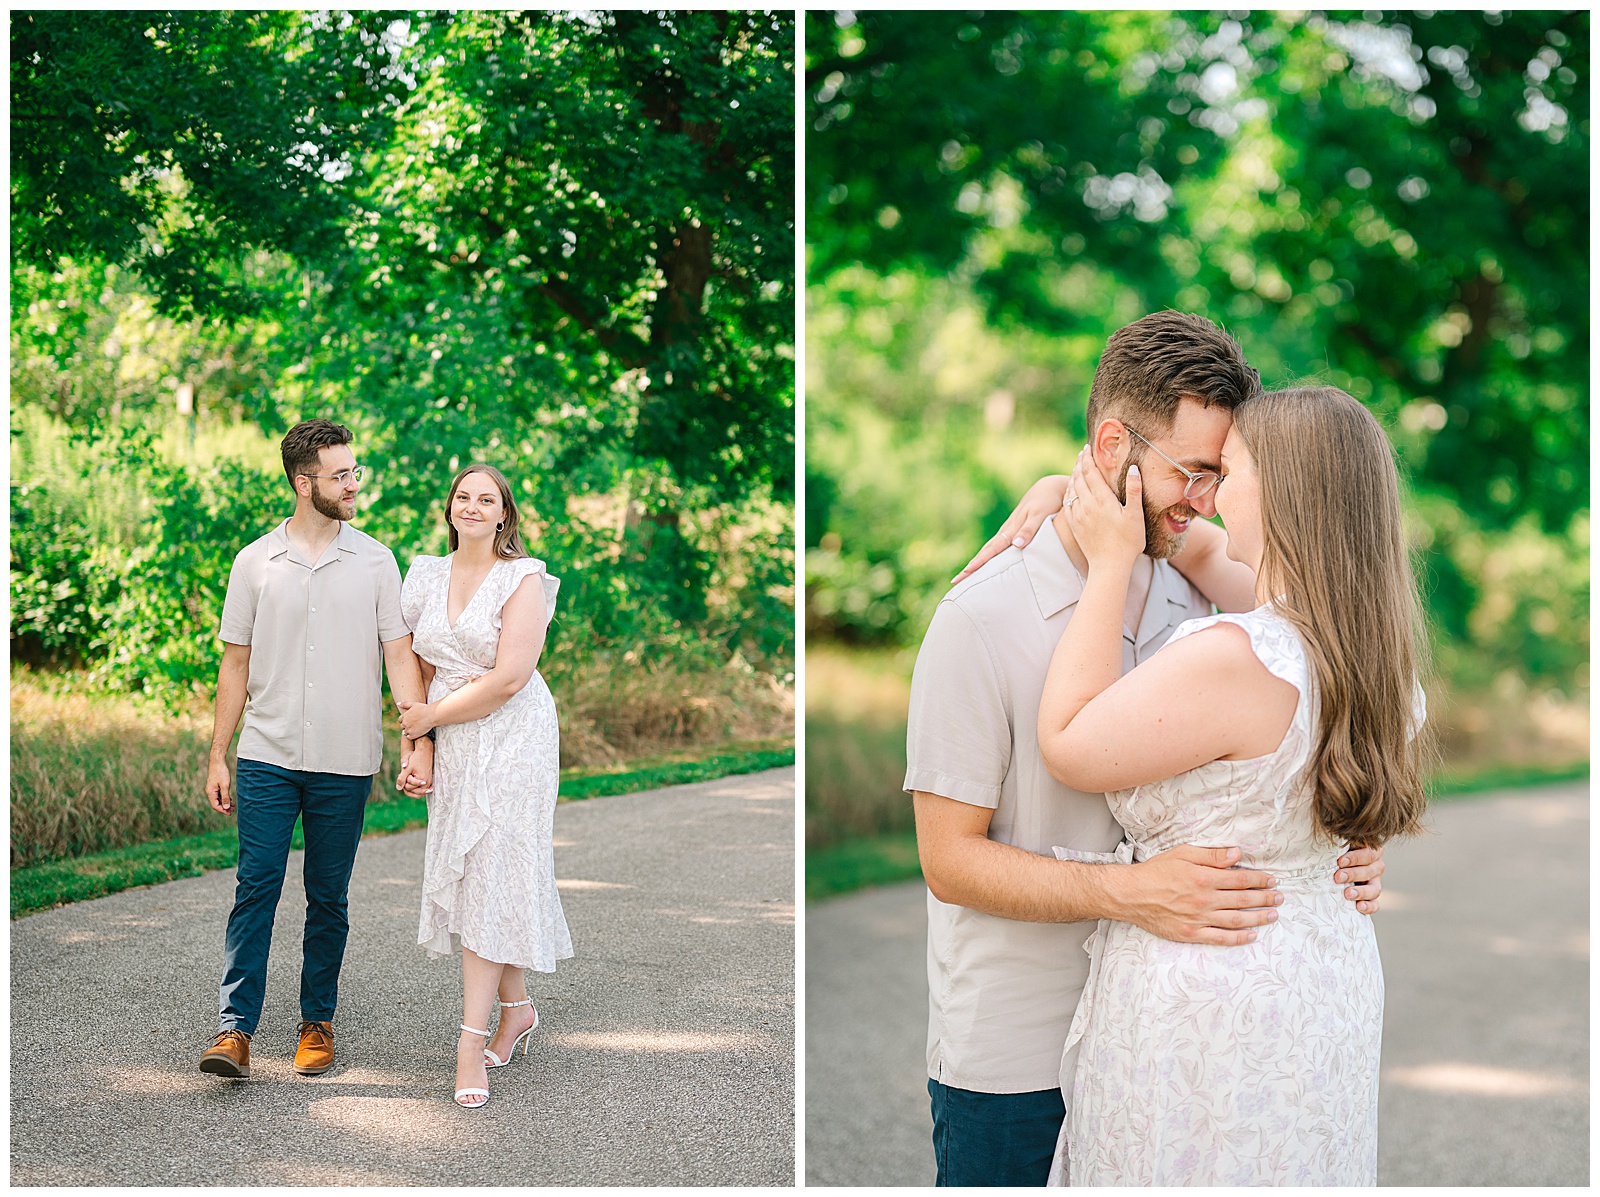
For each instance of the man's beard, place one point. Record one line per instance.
(332, 508)
(1160, 541)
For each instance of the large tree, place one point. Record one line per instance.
(1399, 201)
(563, 242)
(249, 124)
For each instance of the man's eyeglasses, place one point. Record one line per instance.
(1199, 483)
(344, 477)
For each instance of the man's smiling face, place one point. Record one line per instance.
(1194, 442)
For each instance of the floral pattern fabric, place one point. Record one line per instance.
(1191, 1064)
(488, 878)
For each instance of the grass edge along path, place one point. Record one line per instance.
(58, 882)
(854, 864)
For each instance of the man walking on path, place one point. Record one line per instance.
(309, 607)
(1006, 921)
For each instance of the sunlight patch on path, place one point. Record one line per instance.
(658, 1041)
(284, 1172)
(1575, 945)
(1482, 1080)
(581, 885)
(377, 1077)
(152, 1080)
(397, 1121)
(1548, 812)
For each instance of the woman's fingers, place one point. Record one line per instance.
(992, 548)
(1087, 482)
(1106, 528)
(1030, 528)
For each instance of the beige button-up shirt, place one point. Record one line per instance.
(316, 636)
(1001, 993)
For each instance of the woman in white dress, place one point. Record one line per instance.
(1290, 731)
(478, 619)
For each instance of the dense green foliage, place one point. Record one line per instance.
(1394, 203)
(560, 243)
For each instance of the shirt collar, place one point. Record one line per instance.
(1056, 582)
(1168, 605)
(1057, 585)
(278, 544)
(278, 541)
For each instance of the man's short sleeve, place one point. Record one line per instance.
(959, 736)
(391, 621)
(239, 607)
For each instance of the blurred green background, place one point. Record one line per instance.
(1394, 203)
(562, 243)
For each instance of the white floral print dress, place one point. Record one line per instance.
(1190, 1064)
(488, 876)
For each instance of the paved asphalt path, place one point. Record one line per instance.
(664, 1056)
(1485, 939)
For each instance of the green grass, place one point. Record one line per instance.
(859, 863)
(1459, 785)
(78, 879)
(854, 864)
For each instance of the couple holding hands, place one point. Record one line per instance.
(315, 613)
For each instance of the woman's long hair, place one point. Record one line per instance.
(508, 540)
(1334, 552)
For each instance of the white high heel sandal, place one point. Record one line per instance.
(460, 1093)
(494, 1061)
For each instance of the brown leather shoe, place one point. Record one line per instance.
(315, 1053)
(228, 1055)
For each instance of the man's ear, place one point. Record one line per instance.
(1110, 444)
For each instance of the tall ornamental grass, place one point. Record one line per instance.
(92, 771)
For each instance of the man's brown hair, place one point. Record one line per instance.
(1149, 366)
(302, 444)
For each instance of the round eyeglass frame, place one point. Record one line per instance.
(359, 472)
(1198, 484)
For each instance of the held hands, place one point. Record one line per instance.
(416, 771)
(417, 718)
(1109, 532)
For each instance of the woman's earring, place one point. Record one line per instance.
(500, 527)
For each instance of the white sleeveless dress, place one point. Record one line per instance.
(1190, 1064)
(488, 877)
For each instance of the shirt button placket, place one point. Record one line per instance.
(310, 648)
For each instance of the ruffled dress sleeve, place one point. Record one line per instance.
(512, 578)
(1274, 640)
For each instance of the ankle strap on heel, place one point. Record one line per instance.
(474, 1031)
(528, 1001)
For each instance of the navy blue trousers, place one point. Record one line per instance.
(994, 1139)
(330, 807)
